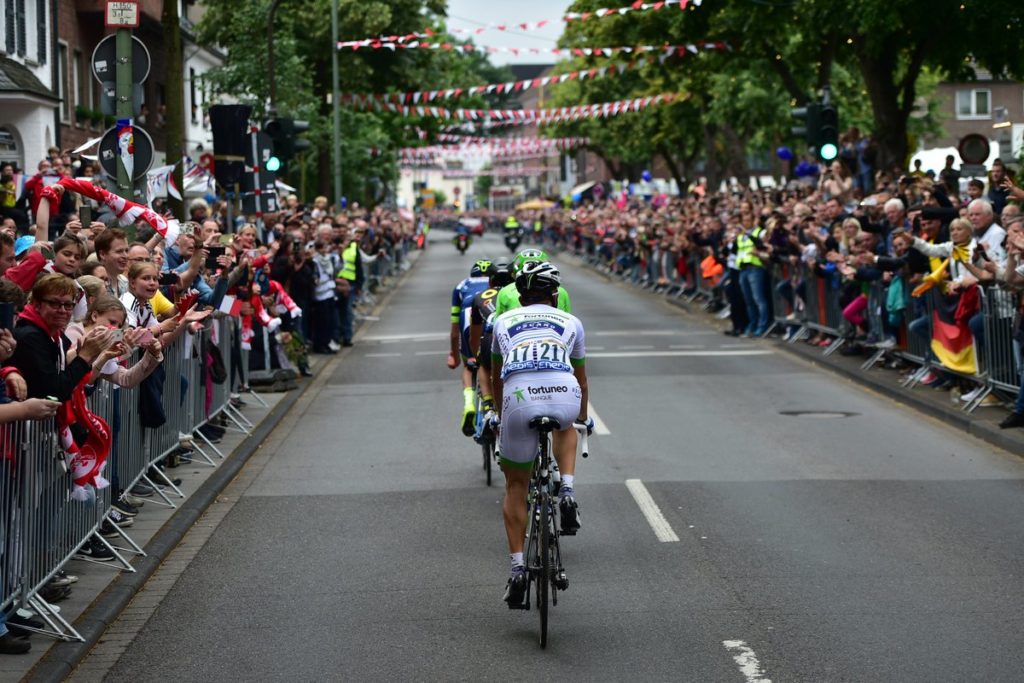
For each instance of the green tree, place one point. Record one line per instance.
(302, 48)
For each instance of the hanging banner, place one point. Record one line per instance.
(366, 102)
(569, 17)
(537, 116)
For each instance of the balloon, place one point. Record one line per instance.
(784, 153)
(577, 197)
(344, 202)
(598, 190)
(646, 175)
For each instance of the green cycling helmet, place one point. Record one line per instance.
(531, 255)
(480, 268)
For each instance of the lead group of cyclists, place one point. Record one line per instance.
(515, 320)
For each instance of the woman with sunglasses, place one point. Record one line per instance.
(42, 347)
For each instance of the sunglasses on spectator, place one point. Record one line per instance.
(56, 303)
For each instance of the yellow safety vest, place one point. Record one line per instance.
(745, 248)
(511, 222)
(348, 268)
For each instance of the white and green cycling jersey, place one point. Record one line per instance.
(537, 338)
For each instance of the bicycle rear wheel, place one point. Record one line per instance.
(544, 577)
(487, 446)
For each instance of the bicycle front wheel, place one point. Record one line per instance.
(544, 577)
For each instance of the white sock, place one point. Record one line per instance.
(567, 480)
(517, 560)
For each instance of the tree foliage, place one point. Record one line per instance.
(302, 46)
(879, 57)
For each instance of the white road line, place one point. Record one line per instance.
(734, 346)
(636, 347)
(599, 426)
(406, 337)
(657, 354)
(594, 348)
(686, 346)
(648, 333)
(382, 355)
(432, 353)
(651, 511)
(747, 660)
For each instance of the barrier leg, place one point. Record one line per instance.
(61, 629)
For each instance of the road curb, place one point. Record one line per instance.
(63, 658)
(1011, 440)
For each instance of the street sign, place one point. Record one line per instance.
(974, 149)
(104, 60)
(121, 14)
(108, 98)
(972, 171)
(143, 152)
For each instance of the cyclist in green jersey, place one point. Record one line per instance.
(508, 297)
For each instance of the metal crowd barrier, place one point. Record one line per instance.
(43, 527)
(998, 357)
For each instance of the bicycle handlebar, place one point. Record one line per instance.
(585, 449)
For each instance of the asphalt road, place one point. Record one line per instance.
(880, 546)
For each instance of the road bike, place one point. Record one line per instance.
(546, 575)
(483, 434)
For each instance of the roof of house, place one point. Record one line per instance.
(15, 77)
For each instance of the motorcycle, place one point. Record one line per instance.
(462, 242)
(512, 239)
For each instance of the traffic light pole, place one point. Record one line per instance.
(335, 102)
(123, 101)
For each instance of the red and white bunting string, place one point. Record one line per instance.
(570, 17)
(365, 102)
(499, 171)
(510, 141)
(553, 115)
(545, 51)
(504, 148)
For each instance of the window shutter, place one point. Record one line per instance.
(41, 44)
(19, 21)
(9, 34)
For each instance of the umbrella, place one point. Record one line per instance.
(534, 204)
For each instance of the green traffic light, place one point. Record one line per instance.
(273, 164)
(829, 151)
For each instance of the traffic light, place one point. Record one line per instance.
(828, 132)
(284, 132)
(810, 117)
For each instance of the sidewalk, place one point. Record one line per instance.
(982, 423)
(104, 591)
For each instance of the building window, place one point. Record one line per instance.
(41, 31)
(17, 36)
(192, 97)
(973, 104)
(62, 82)
(79, 81)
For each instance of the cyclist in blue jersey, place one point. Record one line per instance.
(462, 300)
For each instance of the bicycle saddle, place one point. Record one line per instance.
(545, 423)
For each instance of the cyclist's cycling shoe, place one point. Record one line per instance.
(569, 513)
(515, 591)
(469, 421)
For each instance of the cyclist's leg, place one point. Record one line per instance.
(518, 449)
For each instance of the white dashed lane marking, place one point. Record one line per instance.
(662, 529)
(747, 661)
(599, 425)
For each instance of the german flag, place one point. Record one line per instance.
(952, 342)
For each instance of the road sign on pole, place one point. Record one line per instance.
(121, 14)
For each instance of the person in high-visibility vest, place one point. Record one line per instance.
(511, 223)
(749, 252)
(351, 274)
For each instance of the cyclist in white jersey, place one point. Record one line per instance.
(538, 368)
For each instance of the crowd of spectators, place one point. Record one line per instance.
(83, 303)
(875, 245)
